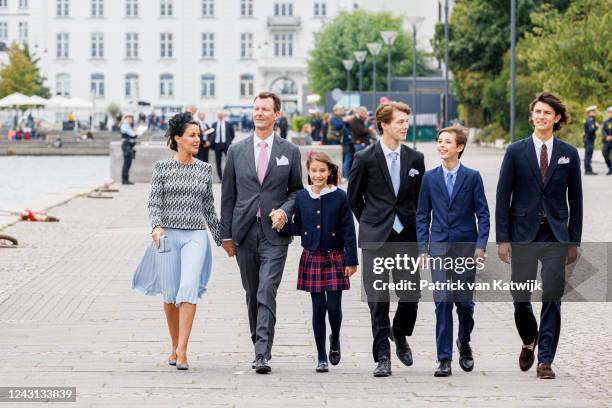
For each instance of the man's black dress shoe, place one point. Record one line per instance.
(444, 369)
(466, 360)
(334, 355)
(261, 365)
(527, 356)
(384, 367)
(402, 349)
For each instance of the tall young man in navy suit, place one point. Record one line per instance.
(539, 218)
(453, 221)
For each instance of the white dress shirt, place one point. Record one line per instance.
(220, 132)
(538, 147)
(452, 171)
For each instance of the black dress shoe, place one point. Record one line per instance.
(254, 363)
(527, 356)
(334, 355)
(383, 369)
(444, 369)
(466, 360)
(261, 365)
(402, 349)
(127, 183)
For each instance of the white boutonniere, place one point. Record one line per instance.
(413, 172)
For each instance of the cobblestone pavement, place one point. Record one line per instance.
(69, 318)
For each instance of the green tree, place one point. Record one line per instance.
(43, 91)
(569, 53)
(350, 32)
(21, 74)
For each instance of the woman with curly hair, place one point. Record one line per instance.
(177, 263)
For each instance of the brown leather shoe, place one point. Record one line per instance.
(545, 372)
(527, 357)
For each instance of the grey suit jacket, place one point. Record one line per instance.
(242, 195)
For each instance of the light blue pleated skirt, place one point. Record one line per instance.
(182, 273)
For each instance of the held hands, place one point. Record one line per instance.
(350, 270)
(228, 246)
(279, 218)
(157, 233)
(504, 251)
(423, 260)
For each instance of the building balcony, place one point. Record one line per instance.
(284, 22)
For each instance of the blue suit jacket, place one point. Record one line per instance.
(464, 218)
(521, 194)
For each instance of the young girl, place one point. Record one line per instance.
(323, 219)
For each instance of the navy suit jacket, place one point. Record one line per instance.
(325, 223)
(521, 194)
(462, 218)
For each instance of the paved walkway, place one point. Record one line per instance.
(69, 318)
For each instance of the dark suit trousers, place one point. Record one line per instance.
(525, 256)
(261, 270)
(406, 313)
(220, 150)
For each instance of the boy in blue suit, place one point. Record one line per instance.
(538, 217)
(453, 221)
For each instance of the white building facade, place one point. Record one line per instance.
(171, 53)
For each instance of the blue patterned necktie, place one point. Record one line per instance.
(395, 180)
(450, 184)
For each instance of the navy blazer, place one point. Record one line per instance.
(325, 223)
(521, 194)
(463, 218)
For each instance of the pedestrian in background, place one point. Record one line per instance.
(128, 142)
(177, 264)
(606, 145)
(590, 130)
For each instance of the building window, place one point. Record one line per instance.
(283, 8)
(166, 49)
(131, 8)
(166, 85)
(246, 8)
(63, 8)
(97, 85)
(3, 3)
(207, 86)
(166, 8)
(208, 45)
(320, 8)
(283, 45)
(23, 4)
(62, 85)
(247, 86)
(131, 86)
(284, 86)
(97, 8)
(131, 45)
(246, 45)
(23, 31)
(97, 45)
(208, 8)
(62, 45)
(3, 31)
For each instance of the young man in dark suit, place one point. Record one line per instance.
(383, 192)
(453, 222)
(539, 218)
(221, 140)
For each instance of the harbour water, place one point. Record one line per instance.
(38, 182)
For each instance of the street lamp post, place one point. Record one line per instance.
(360, 56)
(389, 38)
(414, 22)
(446, 93)
(512, 68)
(374, 49)
(348, 66)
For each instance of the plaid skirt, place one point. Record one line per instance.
(322, 270)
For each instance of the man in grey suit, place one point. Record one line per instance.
(262, 175)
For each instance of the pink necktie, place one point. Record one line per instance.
(262, 166)
(262, 161)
